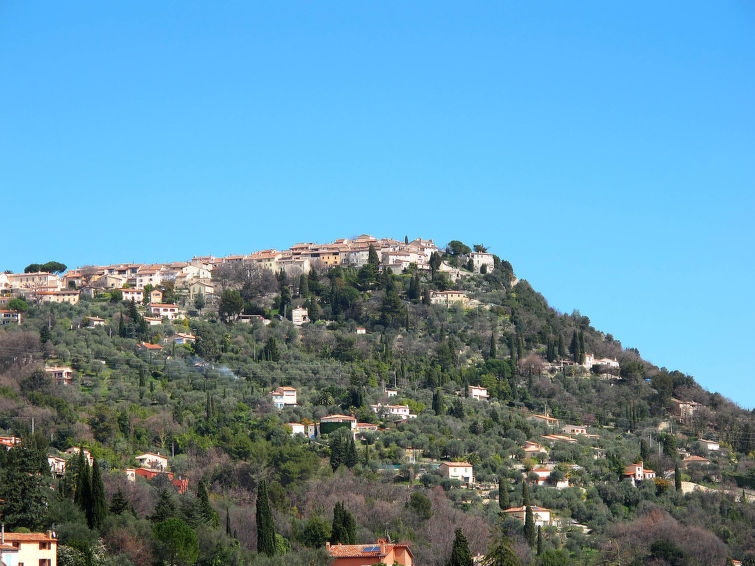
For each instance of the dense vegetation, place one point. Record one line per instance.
(260, 496)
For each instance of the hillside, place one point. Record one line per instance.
(197, 389)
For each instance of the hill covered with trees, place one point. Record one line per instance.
(259, 495)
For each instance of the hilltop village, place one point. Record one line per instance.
(359, 402)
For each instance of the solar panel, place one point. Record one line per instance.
(371, 549)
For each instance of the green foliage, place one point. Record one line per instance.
(529, 526)
(231, 305)
(97, 510)
(503, 493)
(343, 529)
(177, 543)
(460, 553)
(23, 490)
(316, 532)
(265, 524)
(49, 267)
(18, 305)
(421, 505)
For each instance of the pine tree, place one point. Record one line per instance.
(460, 553)
(529, 526)
(525, 493)
(119, 503)
(503, 493)
(677, 477)
(205, 511)
(97, 510)
(165, 508)
(24, 488)
(265, 525)
(351, 454)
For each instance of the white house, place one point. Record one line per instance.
(153, 461)
(543, 517)
(299, 316)
(57, 466)
(574, 429)
(393, 410)
(638, 472)
(74, 451)
(10, 317)
(284, 396)
(136, 295)
(479, 393)
(164, 311)
(711, 445)
(461, 471)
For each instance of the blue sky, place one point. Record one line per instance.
(607, 151)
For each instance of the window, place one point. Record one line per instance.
(44, 546)
(45, 562)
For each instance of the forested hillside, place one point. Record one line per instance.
(207, 405)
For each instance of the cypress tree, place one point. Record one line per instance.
(525, 493)
(351, 454)
(83, 485)
(529, 526)
(337, 451)
(677, 477)
(337, 531)
(561, 346)
(97, 511)
(438, 406)
(350, 527)
(265, 525)
(503, 493)
(460, 553)
(493, 350)
(539, 541)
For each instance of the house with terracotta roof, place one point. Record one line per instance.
(533, 449)
(61, 374)
(9, 441)
(57, 466)
(284, 396)
(477, 392)
(574, 429)
(449, 298)
(8, 316)
(695, 460)
(136, 295)
(382, 552)
(558, 438)
(638, 472)
(462, 471)
(152, 461)
(543, 517)
(149, 347)
(333, 422)
(69, 296)
(550, 421)
(27, 549)
(170, 312)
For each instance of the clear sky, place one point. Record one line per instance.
(607, 150)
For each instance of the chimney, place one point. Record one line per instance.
(381, 541)
(327, 545)
(2, 536)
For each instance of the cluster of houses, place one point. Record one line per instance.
(194, 277)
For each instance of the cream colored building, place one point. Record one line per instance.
(29, 549)
(449, 298)
(461, 471)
